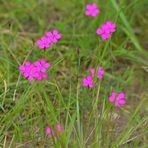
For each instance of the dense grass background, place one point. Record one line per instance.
(26, 109)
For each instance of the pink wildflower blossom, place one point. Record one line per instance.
(88, 82)
(100, 72)
(29, 71)
(106, 29)
(35, 71)
(106, 36)
(59, 128)
(55, 36)
(49, 132)
(111, 27)
(117, 98)
(49, 38)
(42, 65)
(92, 10)
(92, 70)
(44, 42)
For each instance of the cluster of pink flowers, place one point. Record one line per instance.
(50, 132)
(118, 99)
(105, 32)
(49, 38)
(92, 10)
(106, 29)
(88, 81)
(37, 70)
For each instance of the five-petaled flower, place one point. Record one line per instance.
(44, 42)
(88, 81)
(92, 10)
(55, 36)
(106, 29)
(118, 99)
(50, 37)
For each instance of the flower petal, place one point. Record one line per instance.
(112, 97)
(122, 102)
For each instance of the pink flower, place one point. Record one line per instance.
(106, 36)
(92, 10)
(100, 72)
(92, 70)
(49, 132)
(106, 29)
(55, 36)
(88, 82)
(117, 98)
(112, 97)
(111, 27)
(42, 65)
(100, 31)
(35, 71)
(29, 71)
(59, 128)
(44, 42)
(49, 38)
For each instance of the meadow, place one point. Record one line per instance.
(62, 110)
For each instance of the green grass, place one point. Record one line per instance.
(26, 109)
